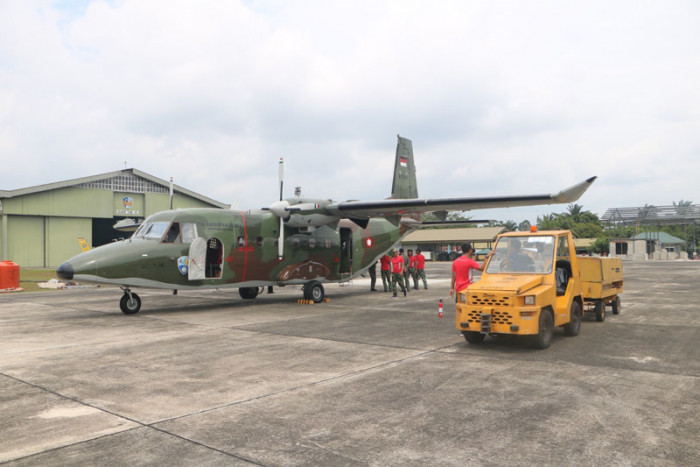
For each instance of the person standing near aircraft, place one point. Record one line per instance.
(420, 269)
(412, 269)
(373, 276)
(386, 271)
(398, 269)
(406, 261)
(461, 270)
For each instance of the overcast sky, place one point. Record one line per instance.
(499, 97)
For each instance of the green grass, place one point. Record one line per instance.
(30, 277)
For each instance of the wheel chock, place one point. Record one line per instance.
(303, 301)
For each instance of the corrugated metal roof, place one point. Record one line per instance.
(662, 237)
(95, 178)
(477, 234)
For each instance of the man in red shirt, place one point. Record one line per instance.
(461, 267)
(397, 270)
(386, 271)
(419, 265)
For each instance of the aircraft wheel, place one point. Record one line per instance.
(616, 305)
(474, 337)
(314, 291)
(248, 293)
(130, 305)
(599, 311)
(546, 330)
(573, 327)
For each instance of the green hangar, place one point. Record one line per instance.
(40, 226)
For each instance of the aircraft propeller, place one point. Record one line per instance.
(279, 209)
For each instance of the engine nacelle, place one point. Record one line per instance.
(309, 220)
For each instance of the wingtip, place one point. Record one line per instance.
(573, 193)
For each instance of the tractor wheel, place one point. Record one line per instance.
(573, 327)
(545, 331)
(474, 337)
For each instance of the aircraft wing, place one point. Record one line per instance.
(388, 207)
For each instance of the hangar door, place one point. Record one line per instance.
(25, 246)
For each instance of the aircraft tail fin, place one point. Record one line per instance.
(404, 186)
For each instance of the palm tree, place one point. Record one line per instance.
(575, 211)
(683, 208)
(646, 212)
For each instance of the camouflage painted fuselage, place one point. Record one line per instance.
(245, 253)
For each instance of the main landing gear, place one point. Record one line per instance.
(313, 291)
(130, 303)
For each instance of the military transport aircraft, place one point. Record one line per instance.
(294, 241)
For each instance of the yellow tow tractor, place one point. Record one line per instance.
(533, 282)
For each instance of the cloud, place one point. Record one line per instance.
(498, 97)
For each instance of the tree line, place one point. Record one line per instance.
(585, 224)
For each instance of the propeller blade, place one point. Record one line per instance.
(280, 241)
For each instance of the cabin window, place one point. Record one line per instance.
(188, 231)
(312, 243)
(327, 243)
(240, 242)
(295, 242)
(563, 248)
(259, 241)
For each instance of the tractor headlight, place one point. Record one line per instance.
(529, 299)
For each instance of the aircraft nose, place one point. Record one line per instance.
(65, 271)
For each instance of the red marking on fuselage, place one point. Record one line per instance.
(246, 248)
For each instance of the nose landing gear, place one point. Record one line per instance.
(130, 303)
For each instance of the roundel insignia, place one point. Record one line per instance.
(183, 263)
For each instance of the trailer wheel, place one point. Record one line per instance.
(616, 305)
(545, 331)
(599, 311)
(474, 337)
(573, 327)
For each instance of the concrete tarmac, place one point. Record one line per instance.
(206, 378)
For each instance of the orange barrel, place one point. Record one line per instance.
(9, 275)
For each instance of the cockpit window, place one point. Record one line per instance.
(173, 235)
(152, 230)
(177, 232)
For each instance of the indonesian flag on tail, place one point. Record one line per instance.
(403, 161)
